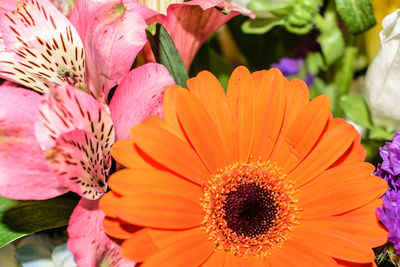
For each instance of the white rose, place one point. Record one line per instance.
(382, 82)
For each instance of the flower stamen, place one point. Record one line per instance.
(249, 208)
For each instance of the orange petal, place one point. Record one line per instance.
(108, 202)
(335, 244)
(160, 211)
(331, 147)
(297, 97)
(300, 255)
(170, 151)
(352, 264)
(217, 258)
(191, 251)
(327, 180)
(231, 261)
(210, 93)
(355, 153)
(126, 153)
(241, 97)
(200, 130)
(164, 238)
(366, 212)
(118, 229)
(163, 124)
(257, 77)
(139, 247)
(253, 262)
(130, 181)
(368, 232)
(270, 109)
(344, 197)
(170, 111)
(303, 134)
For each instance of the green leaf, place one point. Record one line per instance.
(357, 14)
(344, 75)
(165, 53)
(379, 133)
(332, 44)
(261, 26)
(314, 62)
(20, 218)
(263, 5)
(355, 108)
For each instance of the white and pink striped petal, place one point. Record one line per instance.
(13, 71)
(24, 171)
(65, 109)
(78, 160)
(87, 240)
(43, 43)
(138, 96)
(113, 33)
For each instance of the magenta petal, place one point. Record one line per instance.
(139, 95)
(43, 48)
(191, 23)
(113, 34)
(87, 240)
(78, 160)
(24, 172)
(66, 108)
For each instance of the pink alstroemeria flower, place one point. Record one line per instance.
(188, 23)
(58, 138)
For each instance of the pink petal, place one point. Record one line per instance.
(77, 159)
(191, 23)
(42, 42)
(113, 33)
(64, 6)
(13, 71)
(88, 242)
(144, 11)
(66, 108)
(159, 6)
(139, 95)
(24, 173)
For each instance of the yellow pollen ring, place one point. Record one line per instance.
(265, 175)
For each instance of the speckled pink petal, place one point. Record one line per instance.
(24, 173)
(139, 95)
(65, 109)
(78, 160)
(43, 43)
(113, 34)
(87, 241)
(191, 23)
(13, 71)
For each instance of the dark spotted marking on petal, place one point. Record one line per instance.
(42, 43)
(67, 109)
(79, 171)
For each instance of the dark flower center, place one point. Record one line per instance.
(248, 208)
(250, 211)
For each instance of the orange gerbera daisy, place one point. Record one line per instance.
(259, 176)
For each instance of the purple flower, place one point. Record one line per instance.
(289, 66)
(389, 169)
(390, 154)
(292, 66)
(389, 214)
(309, 80)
